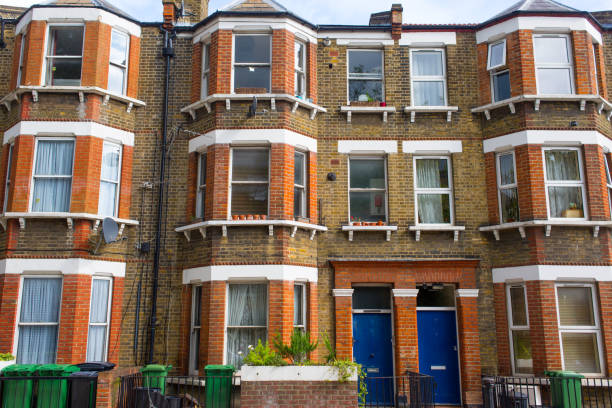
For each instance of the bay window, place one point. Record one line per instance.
(39, 320)
(300, 69)
(99, 319)
(21, 60)
(365, 75)
(428, 77)
(553, 64)
(579, 328)
(205, 70)
(518, 323)
(201, 193)
(564, 182)
(433, 190)
(196, 325)
(250, 175)
(109, 180)
(367, 189)
(299, 185)
(52, 178)
(252, 59)
(608, 179)
(500, 85)
(497, 55)
(247, 320)
(299, 306)
(507, 188)
(7, 181)
(117, 70)
(64, 55)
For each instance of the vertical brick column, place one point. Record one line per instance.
(344, 323)
(491, 178)
(217, 181)
(469, 341)
(15, 66)
(312, 316)
(125, 189)
(204, 323)
(283, 62)
(116, 315)
(584, 65)
(601, 71)
(313, 82)
(96, 54)
(281, 181)
(221, 62)
(280, 310)
(216, 323)
(74, 319)
(501, 324)
(605, 316)
(596, 183)
(196, 72)
(34, 50)
(405, 329)
(543, 328)
(22, 175)
(4, 167)
(521, 62)
(133, 67)
(192, 187)
(185, 329)
(86, 174)
(313, 200)
(9, 295)
(530, 177)
(484, 78)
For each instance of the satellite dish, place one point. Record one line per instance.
(110, 230)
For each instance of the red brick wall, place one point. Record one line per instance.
(406, 336)
(601, 71)
(313, 201)
(74, 319)
(597, 190)
(491, 178)
(96, 54)
(216, 323)
(221, 62)
(133, 67)
(544, 331)
(521, 62)
(86, 175)
(217, 181)
(584, 66)
(344, 327)
(283, 71)
(289, 394)
(125, 189)
(484, 78)
(469, 343)
(22, 176)
(196, 72)
(281, 181)
(530, 178)
(312, 79)
(192, 185)
(34, 50)
(16, 56)
(9, 293)
(501, 323)
(280, 310)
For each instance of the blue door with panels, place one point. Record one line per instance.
(438, 353)
(373, 349)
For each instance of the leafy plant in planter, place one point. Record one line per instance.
(298, 349)
(6, 357)
(263, 355)
(345, 369)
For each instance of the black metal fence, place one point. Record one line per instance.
(554, 392)
(413, 390)
(138, 391)
(48, 392)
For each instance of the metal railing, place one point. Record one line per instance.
(414, 390)
(554, 392)
(48, 391)
(138, 391)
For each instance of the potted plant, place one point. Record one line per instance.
(365, 99)
(235, 217)
(6, 359)
(572, 211)
(249, 217)
(242, 217)
(245, 90)
(380, 223)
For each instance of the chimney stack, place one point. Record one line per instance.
(396, 21)
(194, 11)
(170, 13)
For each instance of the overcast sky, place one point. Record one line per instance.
(358, 11)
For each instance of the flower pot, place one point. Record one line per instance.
(249, 217)
(383, 104)
(365, 103)
(572, 213)
(256, 217)
(380, 223)
(235, 217)
(263, 216)
(242, 217)
(357, 224)
(251, 90)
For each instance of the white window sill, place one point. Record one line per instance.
(224, 224)
(455, 229)
(413, 110)
(547, 224)
(387, 229)
(209, 100)
(80, 90)
(69, 217)
(602, 104)
(350, 110)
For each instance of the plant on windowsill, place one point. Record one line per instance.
(366, 100)
(246, 90)
(572, 211)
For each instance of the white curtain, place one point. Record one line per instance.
(431, 92)
(40, 303)
(562, 165)
(53, 158)
(428, 93)
(247, 307)
(431, 206)
(427, 63)
(109, 180)
(98, 313)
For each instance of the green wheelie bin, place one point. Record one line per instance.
(18, 393)
(154, 376)
(53, 393)
(219, 385)
(565, 389)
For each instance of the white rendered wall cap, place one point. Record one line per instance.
(580, 273)
(466, 292)
(68, 266)
(432, 146)
(250, 273)
(254, 24)
(367, 146)
(252, 136)
(343, 292)
(76, 14)
(405, 292)
(547, 137)
(428, 38)
(363, 42)
(52, 128)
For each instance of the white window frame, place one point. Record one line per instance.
(21, 59)
(608, 181)
(18, 322)
(569, 65)
(204, 86)
(193, 353)
(231, 176)
(494, 74)
(108, 312)
(201, 188)
(596, 70)
(372, 77)
(304, 306)
(45, 70)
(301, 70)
(227, 305)
(446, 190)
(428, 78)
(303, 187)
(582, 329)
(581, 183)
(246, 64)
(118, 182)
(34, 176)
(127, 58)
(7, 181)
(368, 190)
(503, 62)
(512, 327)
(510, 186)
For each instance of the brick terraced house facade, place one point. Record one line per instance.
(434, 198)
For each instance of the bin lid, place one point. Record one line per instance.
(566, 374)
(19, 370)
(85, 374)
(155, 368)
(218, 367)
(63, 370)
(96, 366)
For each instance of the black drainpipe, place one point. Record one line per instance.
(168, 53)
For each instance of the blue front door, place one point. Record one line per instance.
(438, 355)
(373, 349)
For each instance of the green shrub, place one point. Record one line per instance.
(298, 349)
(6, 357)
(263, 355)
